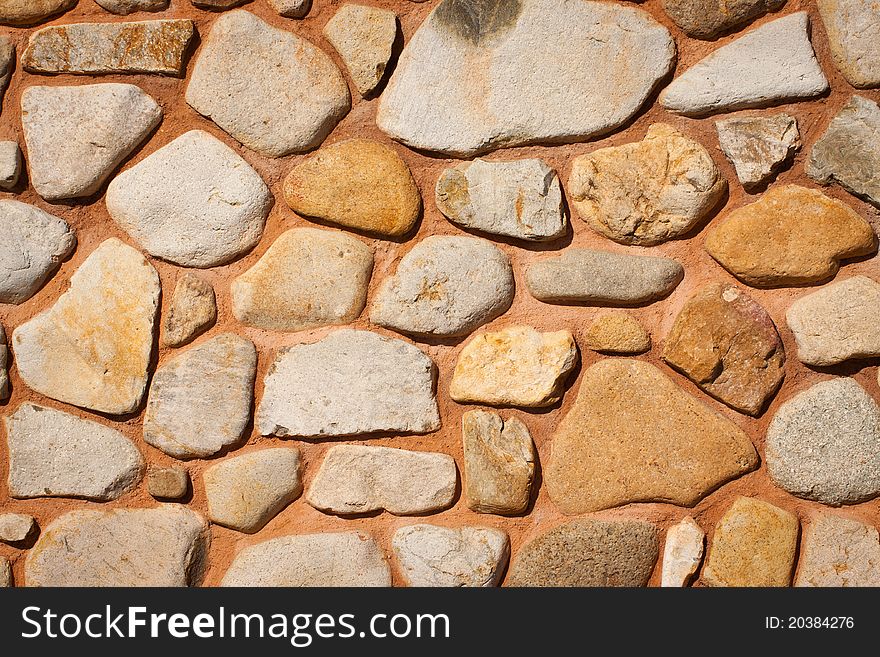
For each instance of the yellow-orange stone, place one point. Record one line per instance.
(617, 333)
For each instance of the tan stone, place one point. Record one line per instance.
(791, 235)
(634, 436)
(364, 38)
(28, 12)
(358, 184)
(193, 310)
(516, 366)
(839, 551)
(4, 364)
(617, 333)
(168, 483)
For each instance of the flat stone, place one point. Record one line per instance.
(92, 347)
(771, 64)
(682, 554)
(7, 62)
(28, 12)
(648, 192)
(291, 8)
(193, 310)
(499, 463)
(200, 400)
(5, 573)
(758, 146)
(726, 343)
(848, 153)
(754, 544)
(516, 366)
(168, 483)
(162, 546)
(16, 527)
(445, 286)
(10, 164)
(520, 199)
(602, 277)
(705, 19)
(326, 559)
(271, 90)
(125, 7)
(217, 5)
(837, 323)
(34, 244)
(4, 364)
(355, 479)
(634, 436)
(194, 202)
(77, 136)
(838, 551)
(347, 384)
(588, 553)
(790, 236)
(440, 556)
(103, 48)
(853, 28)
(364, 38)
(823, 444)
(477, 75)
(617, 333)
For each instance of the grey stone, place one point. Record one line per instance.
(10, 164)
(838, 551)
(28, 12)
(853, 29)
(7, 63)
(758, 146)
(125, 7)
(193, 310)
(705, 19)
(168, 483)
(364, 38)
(682, 553)
(291, 8)
(4, 364)
(16, 527)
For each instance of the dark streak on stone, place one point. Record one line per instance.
(478, 21)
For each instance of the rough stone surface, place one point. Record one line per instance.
(824, 444)
(682, 554)
(771, 64)
(617, 333)
(4, 364)
(200, 400)
(271, 90)
(7, 63)
(705, 19)
(327, 559)
(194, 202)
(588, 553)
(440, 556)
(790, 236)
(193, 310)
(726, 343)
(838, 551)
(291, 8)
(758, 146)
(634, 436)
(499, 463)
(853, 29)
(516, 366)
(366, 383)
(445, 286)
(217, 5)
(520, 199)
(755, 544)
(245, 492)
(125, 7)
(168, 483)
(647, 192)
(77, 136)
(602, 277)
(364, 38)
(28, 12)
(16, 527)
(92, 347)
(355, 479)
(359, 184)
(307, 278)
(5, 573)
(478, 75)
(10, 164)
(163, 546)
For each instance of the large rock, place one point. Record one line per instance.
(272, 90)
(838, 551)
(634, 436)
(479, 74)
(92, 347)
(34, 244)
(125, 7)
(682, 553)
(28, 12)
(771, 64)
(758, 146)
(790, 236)
(77, 136)
(706, 19)
(200, 400)
(163, 546)
(356, 479)
(192, 311)
(194, 202)
(617, 333)
(364, 38)
(853, 28)
(646, 192)
(350, 383)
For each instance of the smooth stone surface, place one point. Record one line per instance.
(758, 146)
(77, 136)
(838, 551)
(617, 333)
(356, 479)
(92, 347)
(162, 546)
(588, 553)
(602, 277)
(328, 559)
(682, 553)
(16, 527)
(168, 483)
(10, 164)
(634, 436)
(853, 29)
(705, 19)
(194, 202)
(477, 75)
(245, 492)
(291, 8)
(364, 38)
(308, 278)
(193, 310)
(349, 383)
(648, 192)
(28, 12)
(770, 64)
(441, 556)
(790, 236)
(271, 90)
(55, 454)
(755, 544)
(125, 7)
(4, 365)
(200, 400)
(516, 366)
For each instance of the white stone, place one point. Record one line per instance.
(838, 551)
(16, 527)
(10, 164)
(364, 38)
(758, 145)
(683, 553)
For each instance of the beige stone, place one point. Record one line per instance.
(168, 483)
(16, 527)
(364, 38)
(28, 12)
(838, 551)
(5, 573)
(125, 7)
(758, 146)
(853, 29)
(617, 333)
(682, 554)
(10, 163)
(193, 310)
(291, 8)
(4, 364)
